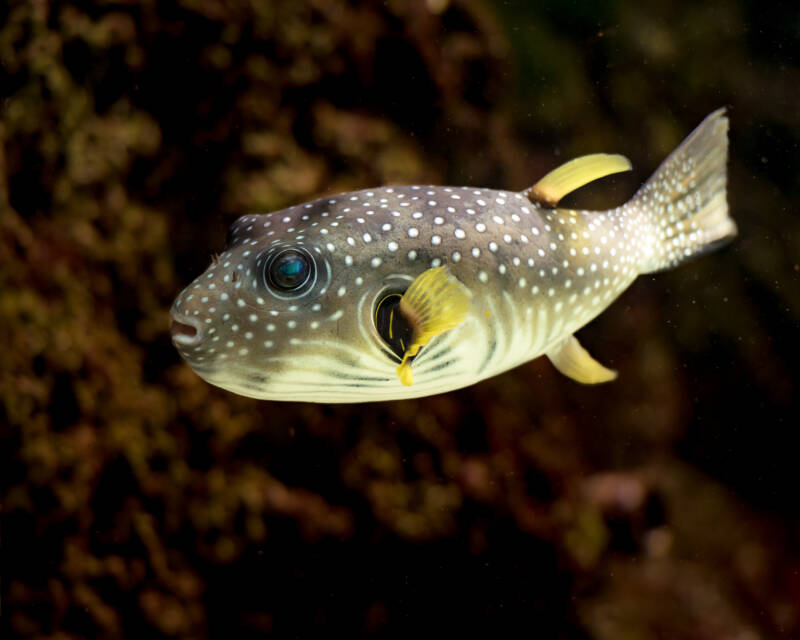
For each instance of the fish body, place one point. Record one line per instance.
(291, 310)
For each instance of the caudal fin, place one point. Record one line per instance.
(684, 204)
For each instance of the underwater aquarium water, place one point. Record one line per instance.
(139, 501)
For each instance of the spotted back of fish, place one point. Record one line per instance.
(534, 275)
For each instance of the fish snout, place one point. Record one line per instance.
(185, 331)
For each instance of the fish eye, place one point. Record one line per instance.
(289, 270)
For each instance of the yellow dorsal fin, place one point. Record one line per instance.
(574, 174)
(571, 359)
(434, 303)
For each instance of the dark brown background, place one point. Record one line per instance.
(140, 502)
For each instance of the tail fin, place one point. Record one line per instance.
(683, 204)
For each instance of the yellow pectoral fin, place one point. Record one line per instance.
(574, 174)
(404, 371)
(571, 359)
(434, 303)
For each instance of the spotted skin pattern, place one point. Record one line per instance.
(535, 274)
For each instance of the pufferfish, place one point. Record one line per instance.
(407, 291)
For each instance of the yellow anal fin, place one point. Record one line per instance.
(434, 303)
(574, 174)
(571, 359)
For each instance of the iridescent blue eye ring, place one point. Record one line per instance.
(289, 270)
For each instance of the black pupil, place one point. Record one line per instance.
(289, 270)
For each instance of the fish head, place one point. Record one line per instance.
(283, 313)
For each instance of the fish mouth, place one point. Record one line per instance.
(185, 331)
